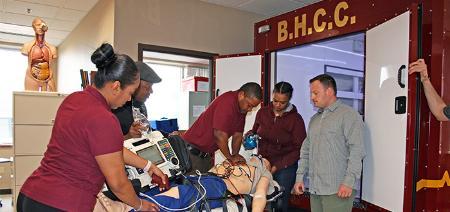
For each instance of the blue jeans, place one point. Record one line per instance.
(286, 178)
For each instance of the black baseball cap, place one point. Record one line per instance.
(147, 73)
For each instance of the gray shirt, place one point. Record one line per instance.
(333, 150)
(260, 171)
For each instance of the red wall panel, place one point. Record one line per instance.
(434, 142)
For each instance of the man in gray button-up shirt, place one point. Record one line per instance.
(333, 150)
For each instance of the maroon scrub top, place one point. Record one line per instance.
(69, 177)
(222, 114)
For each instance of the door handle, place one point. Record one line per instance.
(401, 76)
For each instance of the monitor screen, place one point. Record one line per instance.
(152, 154)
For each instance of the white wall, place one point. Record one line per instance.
(75, 51)
(185, 24)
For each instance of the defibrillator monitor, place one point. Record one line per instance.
(157, 149)
(152, 154)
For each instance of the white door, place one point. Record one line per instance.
(387, 48)
(231, 74)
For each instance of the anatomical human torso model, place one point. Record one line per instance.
(41, 55)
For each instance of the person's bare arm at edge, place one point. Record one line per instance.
(134, 160)
(259, 198)
(435, 102)
(112, 167)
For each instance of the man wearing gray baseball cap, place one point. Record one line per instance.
(130, 129)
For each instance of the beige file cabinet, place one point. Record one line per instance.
(34, 114)
(5, 174)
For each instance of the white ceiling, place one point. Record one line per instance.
(62, 16)
(266, 8)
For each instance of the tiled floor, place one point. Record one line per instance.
(6, 202)
(7, 206)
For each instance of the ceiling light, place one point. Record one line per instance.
(338, 50)
(16, 29)
(311, 58)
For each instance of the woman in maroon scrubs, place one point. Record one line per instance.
(86, 145)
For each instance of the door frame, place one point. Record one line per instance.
(182, 52)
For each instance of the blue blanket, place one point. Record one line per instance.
(215, 188)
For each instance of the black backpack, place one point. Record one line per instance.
(179, 145)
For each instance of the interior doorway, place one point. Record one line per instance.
(343, 58)
(185, 89)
